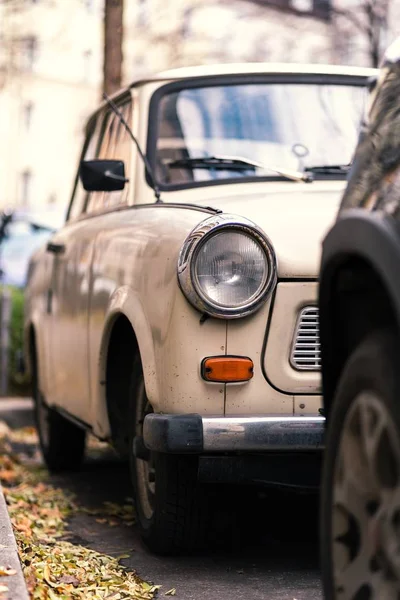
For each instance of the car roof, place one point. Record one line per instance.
(234, 69)
(256, 68)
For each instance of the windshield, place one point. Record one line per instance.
(290, 125)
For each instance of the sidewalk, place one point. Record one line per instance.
(15, 412)
(9, 557)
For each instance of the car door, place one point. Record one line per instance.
(107, 214)
(68, 299)
(72, 278)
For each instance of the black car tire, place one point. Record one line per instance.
(171, 505)
(372, 371)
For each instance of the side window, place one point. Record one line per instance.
(79, 196)
(115, 144)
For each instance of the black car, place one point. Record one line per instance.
(359, 307)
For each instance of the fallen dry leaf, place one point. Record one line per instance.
(7, 571)
(70, 579)
(56, 569)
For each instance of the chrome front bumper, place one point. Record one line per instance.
(182, 434)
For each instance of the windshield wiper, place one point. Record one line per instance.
(328, 169)
(234, 163)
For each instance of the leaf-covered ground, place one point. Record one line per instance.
(53, 567)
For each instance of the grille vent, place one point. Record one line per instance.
(306, 348)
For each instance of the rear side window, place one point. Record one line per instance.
(116, 144)
(79, 195)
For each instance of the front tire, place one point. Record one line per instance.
(360, 497)
(171, 505)
(62, 442)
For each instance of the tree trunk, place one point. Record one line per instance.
(113, 37)
(370, 19)
(373, 33)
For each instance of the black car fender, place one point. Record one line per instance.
(359, 286)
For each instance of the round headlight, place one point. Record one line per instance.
(230, 269)
(227, 267)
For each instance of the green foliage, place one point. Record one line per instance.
(18, 383)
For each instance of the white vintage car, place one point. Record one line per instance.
(174, 314)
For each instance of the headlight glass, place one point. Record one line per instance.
(227, 267)
(230, 269)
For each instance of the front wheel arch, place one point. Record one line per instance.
(353, 303)
(359, 287)
(122, 351)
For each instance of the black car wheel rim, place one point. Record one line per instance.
(366, 504)
(145, 471)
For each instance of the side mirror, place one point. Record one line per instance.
(102, 175)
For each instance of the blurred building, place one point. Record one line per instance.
(51, 55)
(363, 29)
(50, 72)
(160, 34)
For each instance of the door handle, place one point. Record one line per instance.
(55, 248)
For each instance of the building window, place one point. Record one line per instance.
(87, 64)
(27, 115)
(26, 184)
(29, 51)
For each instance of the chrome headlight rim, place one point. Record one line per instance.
(187, 260)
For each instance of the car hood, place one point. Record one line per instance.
(295, 217)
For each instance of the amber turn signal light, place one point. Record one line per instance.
(227, 369)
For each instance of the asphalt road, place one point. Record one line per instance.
(268, 552)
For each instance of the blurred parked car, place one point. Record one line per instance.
(360, 328)
(24, 232)
(175, 312)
